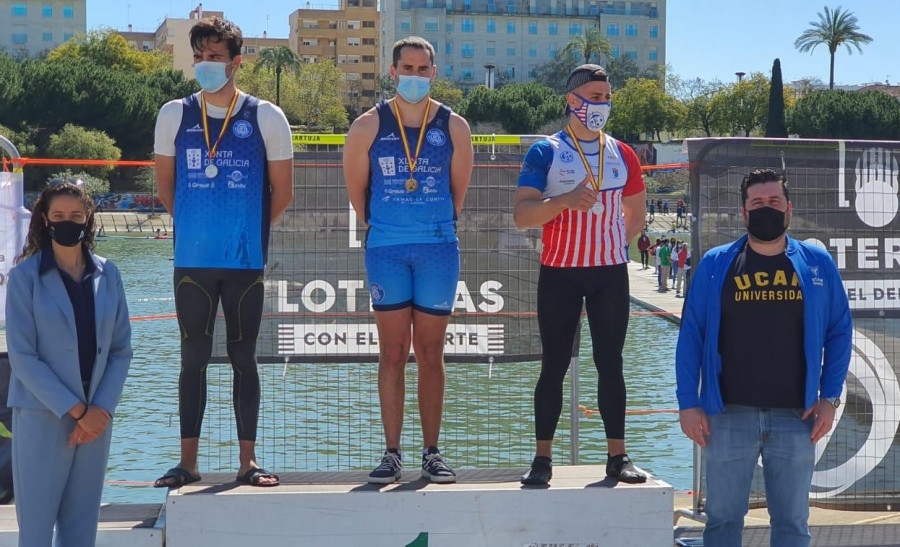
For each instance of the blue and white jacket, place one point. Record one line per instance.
(828, 330)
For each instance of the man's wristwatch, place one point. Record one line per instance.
(835, 401)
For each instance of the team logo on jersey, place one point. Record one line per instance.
(566, 157)
(376, 291)
(242, 129)
(388, 168)
(194, 158)
(436, 137)
(237, 176)
(390, 137)
(195, 129)
(615, 172)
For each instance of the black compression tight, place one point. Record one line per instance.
(603, 291)
(197, 295)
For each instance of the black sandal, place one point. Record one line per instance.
(252, 477)
(180, 477)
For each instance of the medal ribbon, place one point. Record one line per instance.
(212, 149)
(409, 158)
(594, 182)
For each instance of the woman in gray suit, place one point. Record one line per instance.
(69, 346)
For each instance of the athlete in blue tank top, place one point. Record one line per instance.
(224, 170)
(407, 165)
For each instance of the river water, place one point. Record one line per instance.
(325, 417)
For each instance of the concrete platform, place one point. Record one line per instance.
(121, 525)
(487, 507)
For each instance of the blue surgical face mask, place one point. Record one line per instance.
(211, 75)
(592, 115)
(413, 88)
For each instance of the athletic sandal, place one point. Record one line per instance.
(252, 476)
(620, 467)
(179, 477)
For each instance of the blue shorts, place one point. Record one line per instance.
(422, 275)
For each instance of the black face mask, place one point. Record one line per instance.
(766, 223)
(66, 232)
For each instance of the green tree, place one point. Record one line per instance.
(623, 68)
(590, 45)
(519, 108)
(94, 185)
(642, 106)
(835, 114)
(385, 86)
(554, 72)
(445, 91)
(320, 96)
(696, 95)
(775, 124)
(11, 90)
(108, 48)
(278, 59)
(741, 107)
(835, 28)
(260, 83)
(74, 142)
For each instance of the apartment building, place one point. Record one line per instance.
(517, 36)
(29, 27)
(349, 36)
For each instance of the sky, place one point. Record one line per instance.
(710, 39)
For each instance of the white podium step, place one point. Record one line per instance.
(486, 507)
(121, 525)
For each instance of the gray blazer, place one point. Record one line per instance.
(43, 343)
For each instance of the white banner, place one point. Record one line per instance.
(14, 219)
(362, 339)
(873, 294)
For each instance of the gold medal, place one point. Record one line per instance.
(411, 184)
(595, 183)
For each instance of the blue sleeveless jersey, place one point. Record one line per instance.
(395, 215)
(221, 222)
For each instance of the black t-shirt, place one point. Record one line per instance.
(761, 333)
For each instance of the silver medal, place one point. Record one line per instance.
(597, 208)
(211, 171)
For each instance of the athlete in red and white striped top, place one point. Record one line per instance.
(585, 189)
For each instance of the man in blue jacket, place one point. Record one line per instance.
(762, 356)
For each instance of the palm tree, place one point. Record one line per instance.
(834, 29)
(590, 44)
(278, 58)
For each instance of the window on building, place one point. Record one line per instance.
(431, 24)
(449, 27)
(149, 46)
(552, 50)
(404, 24)
(554, 29)
(654, 31)
(615, 52)
(68, 12)
(491, 6)
(448, 71)
(468, 74)
(511, 6)
(491, 49)
(448, 47)
(612, 29)
(532, 50)
(368, 58)
(467, 25)
(368, 41)
(47, 10)
(467, 5)
(532, 27)
(47, 37)
(250, 50)
(491, 26)
(510, 71)
(653, 55)
(510, 27)
(631, 53)
(593, 10)
(353, 41)
(19, 38)
(354, 25)
(309, 58)
(19, 10)
(67, 36)
(310, 41)
(404, 4)
(342, 59)
(468, 50)
(353, 59)
(510, 50)
(310, 24)
(574, 29)
(368, 24)
(631, 30)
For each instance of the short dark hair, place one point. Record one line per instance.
(760, 176)
(217, 30)
(415, 42)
